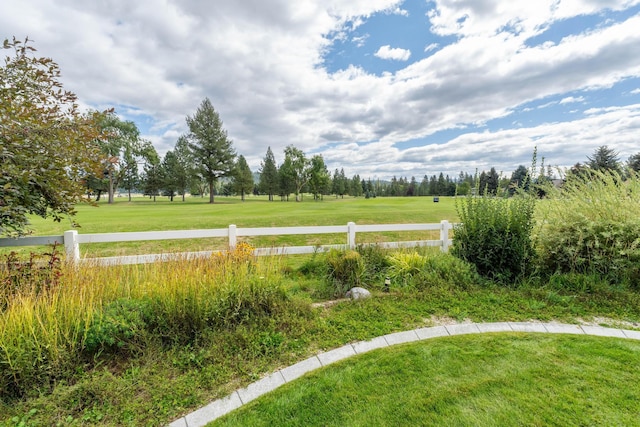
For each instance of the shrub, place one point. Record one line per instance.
(314, 266)
(445, 269)
(495, 236)
(37, 274)
(433, 269)
(591, 226)
(404, 266)
(375, 262)
(119, 328)
(345, 270)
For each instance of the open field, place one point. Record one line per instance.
(143, 214)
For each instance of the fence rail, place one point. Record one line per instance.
(72, 240)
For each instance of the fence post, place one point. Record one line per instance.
(233, 236)
(444, 235)
(351, 235)
(71, 246)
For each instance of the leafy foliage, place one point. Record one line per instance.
(46, 146)
(121, 148)
(404, 266)
(376, 262)
(296, 168)
(495, 235)
(119, 328)
(38, 274)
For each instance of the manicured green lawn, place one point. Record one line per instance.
(195, 213)
(143, 214)
(480, 380)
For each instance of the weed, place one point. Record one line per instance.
(345, 270)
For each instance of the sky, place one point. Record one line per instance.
(380, 88)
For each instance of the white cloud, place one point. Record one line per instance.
(432, 46)
(398, 11)
(571, 99)
(361, 40)
(396, 53)
(635, 91)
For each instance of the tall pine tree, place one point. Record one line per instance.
(212, 150)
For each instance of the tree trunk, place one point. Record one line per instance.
(210, 191)
(110, 188)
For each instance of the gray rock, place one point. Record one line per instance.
(358, 293)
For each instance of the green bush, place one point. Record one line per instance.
(445, 269)
(405, 266)
(376, 262)
(591, 226)
(119, 328)
(421, 272)
(495, 236)
(345, 269)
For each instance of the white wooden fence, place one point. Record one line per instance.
(72, 240)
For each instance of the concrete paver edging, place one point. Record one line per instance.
(222, 406)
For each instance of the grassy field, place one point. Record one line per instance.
(501, 380)
(143, 214)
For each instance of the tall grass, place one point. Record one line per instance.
(591, 226)
(95, 310)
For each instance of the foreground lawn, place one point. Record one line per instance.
(493, 379)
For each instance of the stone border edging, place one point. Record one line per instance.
(220, 407)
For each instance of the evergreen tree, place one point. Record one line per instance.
(442, 185)
(285, 180)
(412, 189)
(269, 183)
(171, 174)
(152, 179)
(604, 158)
(186, 173)
(433, 186)
(519, 179)
(242, 177)
(355, 189)
(633, 162)
(212, 150)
